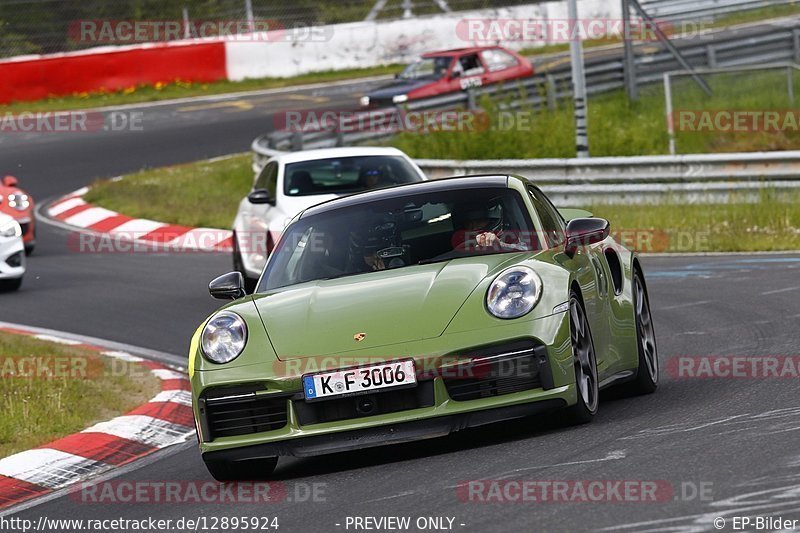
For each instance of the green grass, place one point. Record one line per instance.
(770, 224)
(183, 89)
(675, 30)
(617, 126)
(38, 410)
(208, 194)
(201, 194)
(757, 14)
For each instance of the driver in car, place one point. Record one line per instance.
(482, 229)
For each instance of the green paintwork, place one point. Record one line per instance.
(570, 212)
(424, 312)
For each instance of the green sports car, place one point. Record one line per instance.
(415, 311)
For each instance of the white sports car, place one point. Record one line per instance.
(12, 254)
(292, 182)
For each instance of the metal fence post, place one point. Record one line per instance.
(248, 13)
(711, 55)
(578, 83)
(187, 31)
(550, 90)
(629, 64)
(796, 44)
(297, 141)
(471, 104)
(339, 130)
(668, 110)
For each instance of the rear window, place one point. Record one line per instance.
(498, 59)
(341, 175)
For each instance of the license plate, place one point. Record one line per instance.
(354, 381)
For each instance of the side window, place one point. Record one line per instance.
(268, 179)
(552, 223)
(498, 59)
(471, 65)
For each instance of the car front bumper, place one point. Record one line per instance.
(438, 414)
(12, 258)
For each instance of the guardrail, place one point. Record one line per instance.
(755, 46)
(701, 178)
(699, 10)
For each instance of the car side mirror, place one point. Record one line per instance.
(259, 196)
(585, 231)
(228, 286)
(455, 74)
(10, 181)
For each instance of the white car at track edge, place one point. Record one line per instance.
(292, 182)
(12, 254)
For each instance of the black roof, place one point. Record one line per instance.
(408, 189)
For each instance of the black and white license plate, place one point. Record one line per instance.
(353, 381)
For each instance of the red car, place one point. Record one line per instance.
(19, 205)
(449, 71)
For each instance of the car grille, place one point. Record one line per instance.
(378, 403)
(235, 413)
(500, 370)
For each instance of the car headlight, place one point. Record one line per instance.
(364, 101)
(514, 292)
(400, 98)
(224, 337)
(19, 201)
(10, 229)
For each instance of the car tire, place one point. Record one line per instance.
(8, 285)
(249, 470)
(585, 364)
(238, 266)
(646, 381)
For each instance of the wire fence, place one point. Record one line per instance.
(48, 26)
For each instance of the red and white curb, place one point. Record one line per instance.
(72, 210)
(163, 421)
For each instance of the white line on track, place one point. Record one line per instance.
(614, 455)
(681, 306)
(777, 291)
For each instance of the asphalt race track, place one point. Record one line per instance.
(726, 446)
(732, 438)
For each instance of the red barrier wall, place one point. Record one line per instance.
(65, 74)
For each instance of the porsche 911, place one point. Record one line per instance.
(415, 311)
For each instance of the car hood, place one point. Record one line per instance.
(397, 87)
(389, 307)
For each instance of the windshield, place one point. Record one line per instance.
(347, 175)
(427, 67)
(399, 233)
